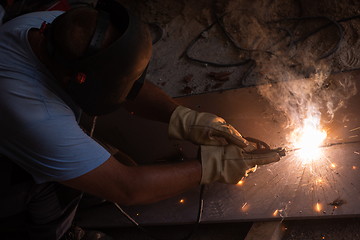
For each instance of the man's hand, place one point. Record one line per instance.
(228, 164)
(204, 129)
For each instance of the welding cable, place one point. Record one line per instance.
(247, 74)
(188, 236)
(218, 20)
(288, 31)
(301, 12)
(255, 50)
(232, 40)
(207, 62)
(339, 21)
(317, 30)
(346, 70)
(349, 18)
(292, 42)
(227, 34)
(299, 16)
(159, 30)
(291, 39)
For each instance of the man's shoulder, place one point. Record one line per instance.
(40, 15)
(30, 20)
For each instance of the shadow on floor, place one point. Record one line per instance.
(228, 231)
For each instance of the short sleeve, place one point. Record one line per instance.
(55, 150)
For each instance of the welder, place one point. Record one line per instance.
(56, 65)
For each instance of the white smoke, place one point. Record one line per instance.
(309, 95)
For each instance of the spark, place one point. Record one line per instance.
(331, 164)
(354, 167)
(308, 139)
(182, 200)
(318, 207)
(275, 213)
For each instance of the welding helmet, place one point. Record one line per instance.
(103, 80)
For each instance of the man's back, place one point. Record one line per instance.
(38, 123)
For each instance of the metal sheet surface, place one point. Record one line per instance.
(288, 189)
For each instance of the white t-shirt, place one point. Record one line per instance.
(38, 119)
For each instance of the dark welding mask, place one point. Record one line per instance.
(105, 79)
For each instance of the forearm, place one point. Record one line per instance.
(152, 103)
(138, 185)
(158, 182)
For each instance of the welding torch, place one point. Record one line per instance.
(263, 147)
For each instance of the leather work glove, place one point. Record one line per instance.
(228, 164)
(204, 129)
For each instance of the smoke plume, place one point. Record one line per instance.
(305, 95)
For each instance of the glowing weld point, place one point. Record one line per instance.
(308, 139)
(240, 182)
(333, 165)
(354, 167)
(182, 200)
(318, 207)
(275, 213)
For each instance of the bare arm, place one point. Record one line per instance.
(152, 103)
(138, 185)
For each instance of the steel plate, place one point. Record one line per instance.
(288, 189)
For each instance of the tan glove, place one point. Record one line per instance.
(228, 164)
(204, 129)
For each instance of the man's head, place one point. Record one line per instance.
(107, 50)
